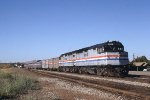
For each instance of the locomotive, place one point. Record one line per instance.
(105, 59)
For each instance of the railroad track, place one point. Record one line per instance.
(128, 90)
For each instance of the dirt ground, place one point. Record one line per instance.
(57, 89)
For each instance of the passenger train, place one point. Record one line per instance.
(105, 59)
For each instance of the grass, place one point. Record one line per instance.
(5, 65)
(13, 84)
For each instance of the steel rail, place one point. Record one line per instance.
(90, 83)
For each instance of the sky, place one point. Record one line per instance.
(41, 29)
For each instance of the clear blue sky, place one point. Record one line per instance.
(40, 29)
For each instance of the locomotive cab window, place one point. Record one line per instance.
(113, 48)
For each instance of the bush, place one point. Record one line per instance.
(13, 84)
(5, 65)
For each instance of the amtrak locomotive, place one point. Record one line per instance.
(106, 59)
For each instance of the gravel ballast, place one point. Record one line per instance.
(76, 88)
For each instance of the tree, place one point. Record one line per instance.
(141, 59)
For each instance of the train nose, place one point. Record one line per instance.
(123, 58)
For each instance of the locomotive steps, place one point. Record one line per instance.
(129, 89)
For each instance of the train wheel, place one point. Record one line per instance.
(80, 71)
(117, 72)
(99, 71)
(105, 72)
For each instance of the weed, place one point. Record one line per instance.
(13, 84)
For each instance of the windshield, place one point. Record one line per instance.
(113, 48)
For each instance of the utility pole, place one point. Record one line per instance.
(133, 57)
